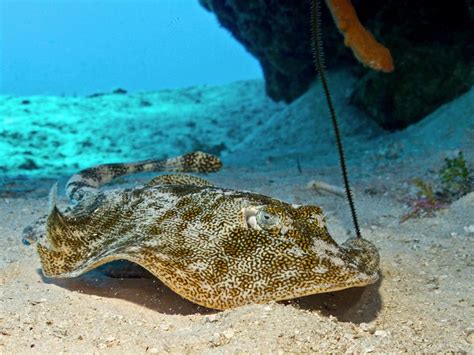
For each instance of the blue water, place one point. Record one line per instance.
(55, 53)
(68, 47)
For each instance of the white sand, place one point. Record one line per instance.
(423, 303)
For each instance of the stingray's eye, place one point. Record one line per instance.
(267, 220)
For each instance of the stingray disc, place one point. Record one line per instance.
(217, 247)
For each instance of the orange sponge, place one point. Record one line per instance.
(363, 44)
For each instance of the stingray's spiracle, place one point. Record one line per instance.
(318, 57)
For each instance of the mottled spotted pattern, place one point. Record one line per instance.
(88, 181)
(217, 247)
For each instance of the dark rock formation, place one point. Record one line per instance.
(433, 50)
(277, 33)
(431, 42)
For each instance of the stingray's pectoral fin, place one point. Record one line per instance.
(61, 264)
(60, 230)
(65, 244)
(72, 247)
(52, 261)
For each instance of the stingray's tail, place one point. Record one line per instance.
(90, 180)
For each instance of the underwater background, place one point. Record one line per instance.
(69, 48)
(59, 57)
(77, 77)
(88, 82)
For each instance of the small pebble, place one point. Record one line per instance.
(370, 328)
(164, 327)
(211, 318)
(470, 336)
(381, 333)
(228, 333)
(348, 336)
(469, 229)
(153, 351)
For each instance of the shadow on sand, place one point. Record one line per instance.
(356, 305)
(147, 292)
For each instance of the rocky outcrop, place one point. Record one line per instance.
(430, 41)
(277, 33)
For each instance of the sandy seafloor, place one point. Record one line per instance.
(423, 302)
